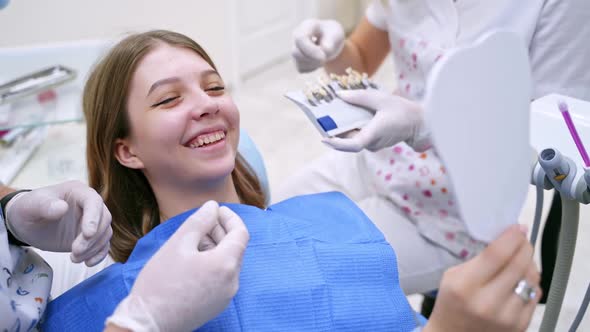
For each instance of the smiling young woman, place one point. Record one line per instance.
(147, 104)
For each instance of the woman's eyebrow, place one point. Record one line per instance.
(209, 72)
(171, 80)
(164, 81)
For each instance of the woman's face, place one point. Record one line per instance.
(184, 126)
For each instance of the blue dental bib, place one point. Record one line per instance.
(313, 263)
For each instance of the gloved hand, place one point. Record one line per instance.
(66, 217)
(185, 284)
(396, 120)
(316, 42)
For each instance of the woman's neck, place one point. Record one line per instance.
(173, 200)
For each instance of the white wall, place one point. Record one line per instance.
(347, 12)
(26, 22)
(263, 28)
(212, 23)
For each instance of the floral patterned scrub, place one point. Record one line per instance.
(25, 282)
(416, 182)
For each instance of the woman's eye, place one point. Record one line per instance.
(165, 101)
(216, 88)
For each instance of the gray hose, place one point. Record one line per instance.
(581, 312)
(538, 213)
(565, 254)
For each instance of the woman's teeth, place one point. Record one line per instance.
(207, 139)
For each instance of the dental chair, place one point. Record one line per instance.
(250, 152)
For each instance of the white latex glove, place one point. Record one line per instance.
(68, 217)
(396, 120)
(185, 284)
(316, 42)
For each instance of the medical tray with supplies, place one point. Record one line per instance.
(39, 98)
(329, 114)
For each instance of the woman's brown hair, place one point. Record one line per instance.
(126, 191)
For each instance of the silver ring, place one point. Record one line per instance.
(525, 291)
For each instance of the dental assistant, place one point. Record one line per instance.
(397, 181)
(68, 217)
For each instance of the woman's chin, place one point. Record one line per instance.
(217, 170)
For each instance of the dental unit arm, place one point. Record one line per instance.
(556, 168)
(553, 170)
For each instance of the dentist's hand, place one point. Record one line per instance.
(68, 217)
(479, 295)
(396, 120)
(187, 283)
(316, 42)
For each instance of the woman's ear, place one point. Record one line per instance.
(125, 156)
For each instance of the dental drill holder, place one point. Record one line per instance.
(553, 170)
(328, 113)
(560, 166)
(557, 171)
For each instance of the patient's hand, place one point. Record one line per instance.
(479, 295)
(192, 278)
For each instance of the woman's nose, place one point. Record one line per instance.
(204, 106)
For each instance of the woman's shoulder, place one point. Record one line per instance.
(330, 216)
(329, 201)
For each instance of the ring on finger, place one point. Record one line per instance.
(525, 291)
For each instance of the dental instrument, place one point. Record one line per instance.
(38, 81)
(44, 97)
(563, 108)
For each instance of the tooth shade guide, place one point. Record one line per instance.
(325, 87)
(330, 115)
